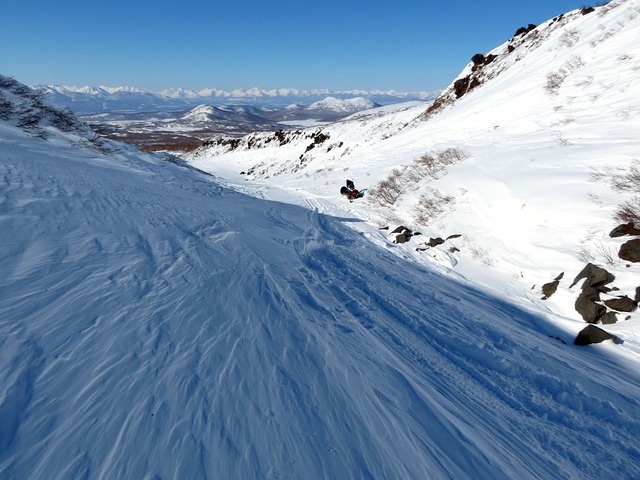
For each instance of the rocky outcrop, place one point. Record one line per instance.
(595, 283)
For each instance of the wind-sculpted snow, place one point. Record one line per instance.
(155, 324)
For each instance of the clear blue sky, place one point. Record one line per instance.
(406, 45)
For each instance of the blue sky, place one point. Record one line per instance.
(405, 45)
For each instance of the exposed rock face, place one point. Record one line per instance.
(464, 85)
(593, 334)
(630, 251)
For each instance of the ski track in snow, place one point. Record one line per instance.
(154, 324)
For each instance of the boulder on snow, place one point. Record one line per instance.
(609, 318)
(550, 288)
(621, 304)
(434, 242)
(402, 238)
(404, 234)
(593, 334)
(630, 251)
(524, 30)
(624, 229)
(587, 307)
(595, 277)
(399, 229)
(464, 85)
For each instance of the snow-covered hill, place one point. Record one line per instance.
(326, 110)
(529, 159)
(185, 130)
(159, 322)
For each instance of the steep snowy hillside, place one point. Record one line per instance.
(523, 167)
(156, 324)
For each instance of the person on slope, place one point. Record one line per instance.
(350, 191)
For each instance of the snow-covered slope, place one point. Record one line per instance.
(156, 324)
(351, 105)
(327, 110)
(528, 156)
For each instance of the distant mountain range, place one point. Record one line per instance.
(187, 129)
(89, 100)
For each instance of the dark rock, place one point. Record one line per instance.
(637, 298)
(434, 242)
(402, 238)
(587, 307)
(586, 10)
(549, 289)
(630, 251)
(609, 318)
(523, 30)
(464, 85)
(624, 229)
(622, 304)
(596, 277)
(593, 334)
(399, 229)
(455, 235)
(404, 234)
(478, 59)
